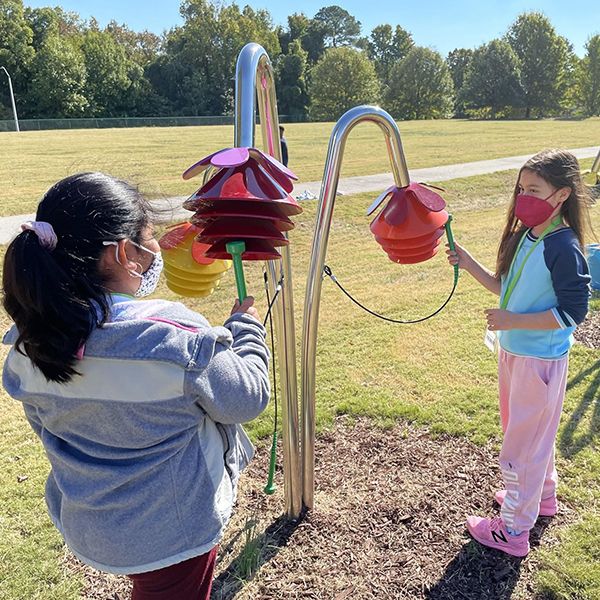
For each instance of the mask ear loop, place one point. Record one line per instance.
(130, 272)
(144, 248)
(134, 273)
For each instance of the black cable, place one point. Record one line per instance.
(269, 317)
(270, 487)
(271, 303)
(329, 273)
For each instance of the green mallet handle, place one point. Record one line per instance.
(236, 249)
(451, 243)
(270, 487)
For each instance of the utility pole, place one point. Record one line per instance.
(12, 99)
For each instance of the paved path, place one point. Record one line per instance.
(9, 226)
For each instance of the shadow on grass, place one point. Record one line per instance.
(259, 548)
(571, 118)
(480, 573)
(571, 440)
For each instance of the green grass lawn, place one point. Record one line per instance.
(438, 374)
(156, 157)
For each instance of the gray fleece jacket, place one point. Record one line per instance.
(145, 446)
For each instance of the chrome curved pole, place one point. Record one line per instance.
(596, 166)
(255, 82)
(335, 154)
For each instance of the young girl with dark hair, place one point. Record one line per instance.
(138, 403)
(543, 281)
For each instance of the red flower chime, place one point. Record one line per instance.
(411, 225)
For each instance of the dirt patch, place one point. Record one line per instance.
(98, 585)
(588, 333)
(388, 523)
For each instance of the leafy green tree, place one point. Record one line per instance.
(196, 73)
(420, 86)
(108, 74)
(492, 78)
(140, 47)
(339, 26)
(386, 46)
(58, 80)
(16, 54)
(589, 77)
(297, 27)
(297, 24)
(458, 62)
(543, 55)
(571, 102)
(313, 40)
(309, 32)
(292, 94)
(343, 78)
(48, 21)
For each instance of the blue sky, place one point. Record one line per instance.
(443, 25)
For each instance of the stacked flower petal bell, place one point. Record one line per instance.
(188, 271)
(411, 225)
(246, 197)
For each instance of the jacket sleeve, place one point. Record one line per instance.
(570, 280)
(228, 375)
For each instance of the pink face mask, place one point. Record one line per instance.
(532, 211)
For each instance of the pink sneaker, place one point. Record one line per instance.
(548, 506)
(492, 533)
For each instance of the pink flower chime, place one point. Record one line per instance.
(247, 198)
(245, 204)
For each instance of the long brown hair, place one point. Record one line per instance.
(560, 169)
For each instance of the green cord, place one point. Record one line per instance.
(451, 245)
(270, 487)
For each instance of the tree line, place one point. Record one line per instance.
(64, 67)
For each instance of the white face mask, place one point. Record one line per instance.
(149, 278)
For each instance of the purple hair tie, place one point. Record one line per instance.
(44, 231)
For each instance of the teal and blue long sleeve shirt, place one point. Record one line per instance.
(555, 277)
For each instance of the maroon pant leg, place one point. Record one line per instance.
(187, 580)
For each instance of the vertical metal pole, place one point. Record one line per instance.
(335, 154)
(12, 99)
(254, 82)
(596, 166)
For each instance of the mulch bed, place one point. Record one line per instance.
(388, 523)
(588, 333)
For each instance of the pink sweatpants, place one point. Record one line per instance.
(532, 391)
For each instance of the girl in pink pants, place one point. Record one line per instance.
(543, 280)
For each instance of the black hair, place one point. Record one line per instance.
(57, 297)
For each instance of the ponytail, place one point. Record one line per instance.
(57, 297)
